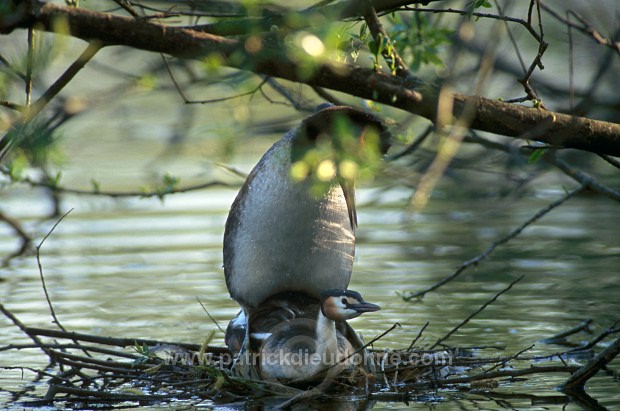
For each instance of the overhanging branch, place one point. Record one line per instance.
(489, 115)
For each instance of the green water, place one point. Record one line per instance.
(135, 267)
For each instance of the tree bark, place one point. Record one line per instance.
(556, 129)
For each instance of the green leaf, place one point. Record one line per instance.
(535, 156)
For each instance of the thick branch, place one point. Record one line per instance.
(335, 11)
(493, 116)
(579, 378)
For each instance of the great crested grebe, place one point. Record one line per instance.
(307, 349)
(282, 241)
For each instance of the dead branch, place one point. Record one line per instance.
(585, 28)
(612, 329)
(561, 337)
(585, 180)
(505, 374)
(417, 337)
(24, 237)
(472, 315)
(514, 233)
(69, 347)
(22, 327)
(118, 342)
(158, 193)
(577, 381)
(103, 395)
(559, 130)
(204, 381)
(31, 110)
(42, 277)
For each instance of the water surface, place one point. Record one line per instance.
(136, 267)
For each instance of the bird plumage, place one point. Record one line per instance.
(284, 246)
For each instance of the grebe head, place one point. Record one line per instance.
(321, 346)
(340, 305)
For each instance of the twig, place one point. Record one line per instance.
(70, 346)
(415, 340)
(511, 36)
(414, 145)
(42, 277)
(383, 334)
(494, 245)
(284, 92)
(210, 316)
(608, 331)
(537, 62)
(574, 330)
(522, 22)
(25, 238)
(511, 358)
(379, 33)
(186, 100)
(118, 342)
(316, 392)
(579, 378)
(585, 28)
(12, 69)
(92, 364)
(35, 108)
(103, 395)
(38, 250)
(585, 179)
(126, 5)
(321, 92)
(611, 160)
(64, 79)
(25, 329)
(472, 315)
(29, 65)
(120, 194)
(40, 373)
(505, 373)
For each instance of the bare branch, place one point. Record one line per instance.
(585, 27)
(472, 315)
(577, 381)
(585, 179)
(25, 238)
(42, 277)
(560, 130)
(494, 245)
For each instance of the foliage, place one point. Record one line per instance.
(422, 39)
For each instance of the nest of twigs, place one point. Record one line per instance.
(106, 371)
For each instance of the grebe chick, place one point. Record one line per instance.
(303, 340)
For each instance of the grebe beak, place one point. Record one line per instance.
(364, 307)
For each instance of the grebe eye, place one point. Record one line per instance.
(344, 301)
